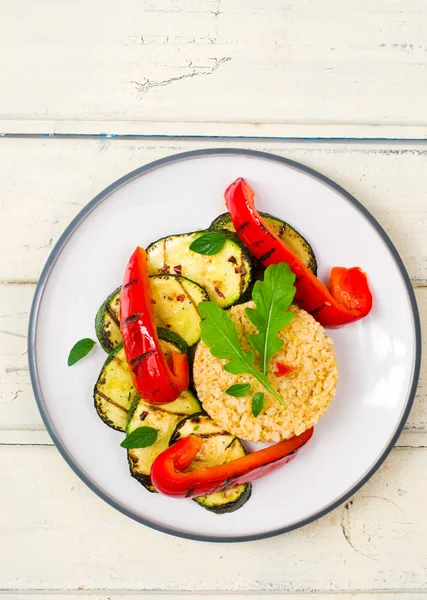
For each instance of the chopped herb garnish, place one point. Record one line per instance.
(220, 334)
(209, 243)
(79, 350)
(257, 403)
(239, 389)
(142, 437)
(272, 297)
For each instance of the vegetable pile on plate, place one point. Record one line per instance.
(216, 337)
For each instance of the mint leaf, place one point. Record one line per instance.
(257, 403)
(220, 334)
(142, 437)
(210, 243)
(272, 297)
(238, 390)
(79, 350)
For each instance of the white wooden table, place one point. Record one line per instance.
(92, 89)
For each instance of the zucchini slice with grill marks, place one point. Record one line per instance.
(107, 322)
(283, 230)
(175, 301)
(225, 276)
(164, 418)
(114, 389)
(218, 447)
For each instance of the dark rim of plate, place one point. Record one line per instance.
(68, 233)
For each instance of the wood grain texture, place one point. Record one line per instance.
(45, 182)
(56, 534)
(82, 594)
(327, 63)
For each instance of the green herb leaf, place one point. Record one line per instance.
(140, 438)
(209, 243)
(257, 403)
(220, 334)
(79, 350)
(272, 297)
(196, 427)
(238, 390)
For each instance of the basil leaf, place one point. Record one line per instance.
(140, 438)
(238, 390)
(196, 427)
(210, 243)
(79, 350)
(257, 403)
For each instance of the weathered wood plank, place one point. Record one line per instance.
(84, 594)
(45, 182)
(316, 63)
(19, 416)
(377, 540)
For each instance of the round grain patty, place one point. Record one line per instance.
(307, 391)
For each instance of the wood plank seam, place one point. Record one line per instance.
(394, 141)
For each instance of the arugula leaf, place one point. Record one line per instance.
(220, 334)
(257, 403)
(238, 390)
(210, 243)
(142, 437)
(79, 350)
(272, 297)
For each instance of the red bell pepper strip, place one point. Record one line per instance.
(282, 369)
(154, 379)
(168, 476)
(348, 297)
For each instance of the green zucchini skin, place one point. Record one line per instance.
(225, 276)
(218, 447)
(167, 335)
(175, 308)
(107, 322)
(114, 393)
(283, 230)
(164, 418)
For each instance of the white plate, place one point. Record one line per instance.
(378, 358)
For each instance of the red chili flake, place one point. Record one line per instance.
(178, 269)
(218, 291)
(165, 269)
(237, 270)
(233, 260)
(143, 415)
(168, 326)
(181, 298)
(153, 301)
(282, 369)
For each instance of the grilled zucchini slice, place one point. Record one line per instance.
(283, 230)
(218, 447)
(114, 389)
(164, 418)
(107, 322)
(175, 308)
(225, 276)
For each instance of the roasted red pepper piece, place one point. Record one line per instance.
(154, 379)
(348, 297)
(168, 477)
(282, 369)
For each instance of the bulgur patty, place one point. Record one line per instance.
(307, 391)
